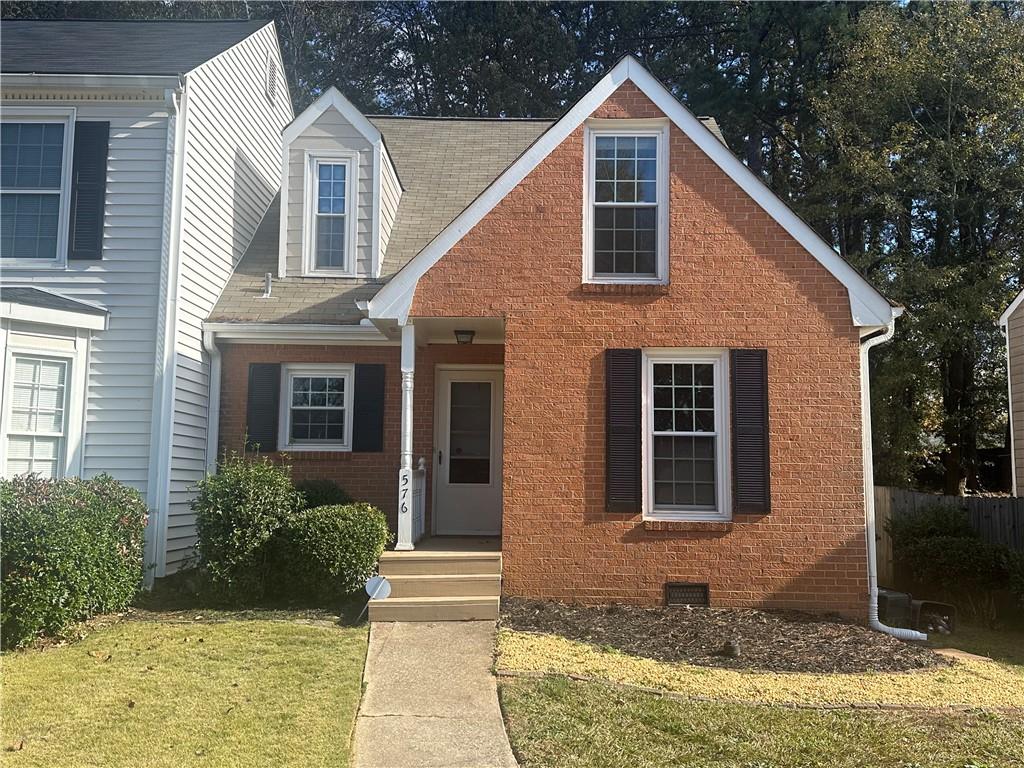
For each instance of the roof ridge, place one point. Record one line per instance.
(140, 21)
(473, 119)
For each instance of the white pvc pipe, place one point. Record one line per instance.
(869, 492)
(213, 406)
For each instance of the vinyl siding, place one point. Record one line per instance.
(232, 170)
(330, 132)
(118, 412)
(390, 194)
(1015, 340)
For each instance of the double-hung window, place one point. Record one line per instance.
(685, 425)
(34, 181)
(37, 418)
(626, 216)
(316, 407)
(331, 220)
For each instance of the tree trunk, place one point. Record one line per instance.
(959, 430)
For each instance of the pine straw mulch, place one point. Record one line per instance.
(733, 638)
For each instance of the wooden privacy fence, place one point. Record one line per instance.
(998, 520)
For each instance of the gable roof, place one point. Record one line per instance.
(1005, 317)
(868, 306)
(33, 304)
(443, 165)
(116, 47)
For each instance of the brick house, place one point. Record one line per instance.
(598, 353)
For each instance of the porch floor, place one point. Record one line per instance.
(458, 544)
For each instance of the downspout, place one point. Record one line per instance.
(213, 407)
(867, 343)
(163, 387)
(1015, 488)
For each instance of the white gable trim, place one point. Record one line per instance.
(868, 306)
(331, 98)
(91, 316)
(1005, 317)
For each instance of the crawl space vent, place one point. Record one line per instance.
(682, 593)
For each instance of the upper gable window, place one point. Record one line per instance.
(626, 216)
(329, 236)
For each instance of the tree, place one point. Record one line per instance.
(928, 118)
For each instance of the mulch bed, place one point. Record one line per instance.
(735, 638)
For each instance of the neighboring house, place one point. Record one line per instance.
(138, 161)
(1012, 323)
(613, 349)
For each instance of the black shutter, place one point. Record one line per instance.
(261, 408)
(623, 426)
(750, 463)
(88, 190)
(368, 419)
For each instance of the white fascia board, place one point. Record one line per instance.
(98, 82)
(331, 98)
(868, 306)
(297, 333)
(26, 313)
(1005, 317)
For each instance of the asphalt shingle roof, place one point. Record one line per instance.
(443, 164)
(116, 47)
(36, 297)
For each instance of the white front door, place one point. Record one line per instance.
(467, 452)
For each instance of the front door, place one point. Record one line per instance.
(467, 455)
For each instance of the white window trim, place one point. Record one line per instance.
(65, 115)
(346, 370)
(309, 205)
(658, 128)
(75, 391)
(719, 358)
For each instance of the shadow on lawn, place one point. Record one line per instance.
(185, 596)
(1005, 645)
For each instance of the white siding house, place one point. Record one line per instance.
(101, 307)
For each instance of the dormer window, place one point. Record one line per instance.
(329, 236)
(626, 213)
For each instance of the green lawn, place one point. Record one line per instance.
(556, 723)
(161, 690)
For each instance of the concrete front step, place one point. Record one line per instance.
(446, 585)
(477, 607)
(423, 563)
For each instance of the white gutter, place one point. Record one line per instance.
(869, 487)
(213, 406)
(71, 80)
(270, 333)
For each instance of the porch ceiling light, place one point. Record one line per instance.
(464, 337)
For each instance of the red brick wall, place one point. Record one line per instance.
(371, 477)
(736, 280)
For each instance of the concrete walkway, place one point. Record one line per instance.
(431, 700)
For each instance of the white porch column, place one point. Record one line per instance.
(405, 478)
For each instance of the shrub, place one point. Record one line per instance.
(1017, 578)
(238, 510)
(71, 549)
(966, 570)
(929, 522)
(322, 493)
(328, 552)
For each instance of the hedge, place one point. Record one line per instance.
(72, 549)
